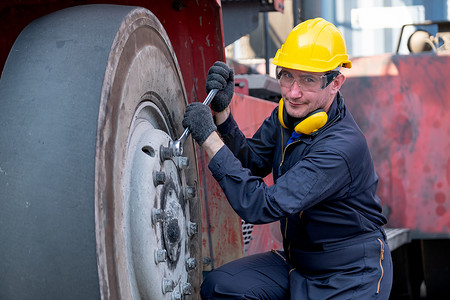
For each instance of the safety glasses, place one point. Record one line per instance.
(307, 82)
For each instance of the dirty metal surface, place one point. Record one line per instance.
(401, 103)
(249, 113)
(221, 232)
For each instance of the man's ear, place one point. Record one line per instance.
(337, 83)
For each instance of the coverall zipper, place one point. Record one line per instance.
(281, 165)
(284, 152)
(381, 266)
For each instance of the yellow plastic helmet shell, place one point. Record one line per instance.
(315, 45)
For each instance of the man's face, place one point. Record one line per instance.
(305, 93)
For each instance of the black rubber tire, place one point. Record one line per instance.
(68, 94)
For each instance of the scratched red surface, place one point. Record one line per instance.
(402, 105)
(249, 113)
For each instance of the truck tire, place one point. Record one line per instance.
(91, 204)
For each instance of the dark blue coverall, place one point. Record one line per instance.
(324, 194)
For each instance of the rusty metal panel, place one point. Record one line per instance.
(402, 105)
(249, 113)
(221, 232)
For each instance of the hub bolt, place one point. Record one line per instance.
(160, 255)
(158, 215)
(167, 285)
(191, 264)
(181, 162)
(188, 192)
(165, 153)
(207, 261)
(186, 288)
(176, 295)
(192, 229)
(159, 177)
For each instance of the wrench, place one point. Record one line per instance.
(177, 146)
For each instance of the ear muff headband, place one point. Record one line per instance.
(309, 124)
(281, 113)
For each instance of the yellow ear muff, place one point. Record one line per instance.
(312, 122)
(281, 113)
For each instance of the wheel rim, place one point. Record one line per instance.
(141, 52)
(155, 212)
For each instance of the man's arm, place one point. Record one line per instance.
(220, 117)
(199, 120)
(212, 144)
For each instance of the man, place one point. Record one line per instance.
(324, 190)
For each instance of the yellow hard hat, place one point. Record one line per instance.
(315, 45)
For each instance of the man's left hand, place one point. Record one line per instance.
(221, 77)
(199, 120)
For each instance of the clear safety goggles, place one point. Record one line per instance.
(307, 82)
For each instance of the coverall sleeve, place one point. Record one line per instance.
(320, 176)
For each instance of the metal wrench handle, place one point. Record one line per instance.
(177, 145)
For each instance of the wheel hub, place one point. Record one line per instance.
(173, 223)
(156, 210)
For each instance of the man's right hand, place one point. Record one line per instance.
(199, 120)
(221, 77)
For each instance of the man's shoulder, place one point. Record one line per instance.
(344, 138)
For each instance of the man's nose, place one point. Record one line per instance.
(295, 90)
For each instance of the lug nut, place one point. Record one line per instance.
(160, 255)
(159, 177)
(186, 288)
(165, 153)
(181, 162)
(206, 261)
(188, 192)
(192, 229)
(176, 295)
(167, 285)
(191, 264)
(158, 215)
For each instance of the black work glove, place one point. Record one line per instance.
(199, 120)
(221, 77)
